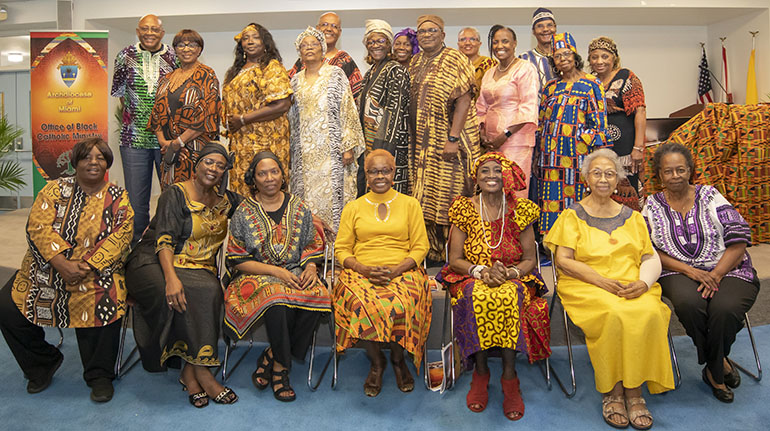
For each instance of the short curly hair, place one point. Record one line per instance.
(669, 148)
(607, 154)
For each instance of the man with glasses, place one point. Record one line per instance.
(543, 27)
(469, 43)
(330, 25)
(138, 69)
(446, 132)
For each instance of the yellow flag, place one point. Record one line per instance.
(751, 82)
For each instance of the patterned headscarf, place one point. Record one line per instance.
(563, 40)
(378, 26)
(412, 36)
(216, 148)
(249, 27)
(311, 31)
(513, 177)
(605, 43)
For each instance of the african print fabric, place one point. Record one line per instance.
(513, 315)
(731, 149)
(250, 90)
(544, 70)
(324, 124)
(480, 65)
(136, 77)
(194, 105)
(384, 113)
(345, 62)
(436, 83)
(254, 236)
(700, 237)
(95, 229)
(573, 123)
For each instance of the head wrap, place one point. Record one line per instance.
(605, 43)
(513, 177)
(249, 27)
(248, 177)
(216, 148)
(378, 26)
(563, 40)
(311, 31)
(412, 36)
(435, 19)
(541, 14)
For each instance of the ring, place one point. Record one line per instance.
(170, 303)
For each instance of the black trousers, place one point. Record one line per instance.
(711, 323)
(289, 331)
(98, 346)
(146, 285)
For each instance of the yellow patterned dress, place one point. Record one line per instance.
(481, 64)
(252, 89)
(96, 229)
(512, 315)
(401, 311)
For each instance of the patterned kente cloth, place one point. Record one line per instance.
(573, 122)
(252, 89)
(254, 236)
(512, 315)
(481, 64)
(399, 312)
(95, 229)
(730, 145)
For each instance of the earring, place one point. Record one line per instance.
(616, 191)
(588, 189)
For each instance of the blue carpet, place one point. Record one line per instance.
(146, 401)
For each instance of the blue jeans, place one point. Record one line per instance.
(137, 173)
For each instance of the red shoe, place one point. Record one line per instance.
(513, 405)
(478, 394)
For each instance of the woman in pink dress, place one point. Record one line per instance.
(508, 103)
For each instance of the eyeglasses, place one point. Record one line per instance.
(182, 45)
(211, 162)
(679, 171)
(328, 24)
(597, 174)
(146, 29)
(371, 42)
(562, 56)
(377, 172)
(468, 39)
(427, 31)
(305, 46)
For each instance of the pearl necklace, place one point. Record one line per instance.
(499, 214)
(501, 70)
(377, 208)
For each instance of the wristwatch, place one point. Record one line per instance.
(453, 139)
(508, 133)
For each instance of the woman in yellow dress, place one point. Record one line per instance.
(607, 283)
(383, 296)
(255, 99)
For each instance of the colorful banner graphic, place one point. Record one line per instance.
(69, 90)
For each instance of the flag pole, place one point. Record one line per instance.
(703, 47)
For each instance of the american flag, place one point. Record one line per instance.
(704, 81)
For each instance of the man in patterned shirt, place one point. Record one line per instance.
(138, 68)
(543, 27)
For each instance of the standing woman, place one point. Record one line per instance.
(405, 46)
(186, 112)
(256, 98)
(326, 134)
(626, 115)
(572, 123)
(507, 105)
(384, 110)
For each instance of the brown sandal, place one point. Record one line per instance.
(639, 413)
(373, 382)
(610, 407)
(404, 379)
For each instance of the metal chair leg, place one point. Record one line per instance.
(674, 361)
(122, 367)
(332, 357)
(61, 338)
(551, 370)
(757, 376)
(230, 346)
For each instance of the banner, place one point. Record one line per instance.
(68, 98)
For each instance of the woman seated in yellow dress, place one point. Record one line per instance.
(607, 283)
(383, 296)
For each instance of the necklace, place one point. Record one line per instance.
(179, 76)
(501, 70)
(377, 209)
(499, 214)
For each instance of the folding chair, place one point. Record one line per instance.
(122, 367)
(328, 265)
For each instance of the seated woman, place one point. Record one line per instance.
(382, 296)
(272, 274)
(176, 259)
(607, 270)
(79, 231)
(708, 276)
(495, 294)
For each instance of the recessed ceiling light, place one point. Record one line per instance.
(15, 57)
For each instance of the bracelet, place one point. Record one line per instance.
(477, 271)
(508, 133)
(181, 142)
(471, 269)
(640, 149)
(453, 139)
(518, 271)
(241, 120)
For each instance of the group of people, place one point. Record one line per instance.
(431, 148)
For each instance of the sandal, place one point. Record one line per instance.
(373, 382)
(264, 363)
(610, 407)
(479, 392)
(285, 387)
(227, 396)
(512, 402)
(184, 387)
(404, 379)
(199, 400)
(633, 416)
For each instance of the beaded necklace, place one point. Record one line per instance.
(499, 214)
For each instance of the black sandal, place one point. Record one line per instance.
(285, 387)
(227, 396)
(265, 363)
(199, 400)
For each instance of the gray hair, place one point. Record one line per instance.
(473, 29)
(607, 154)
